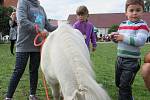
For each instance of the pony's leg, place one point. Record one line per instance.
(55, 91)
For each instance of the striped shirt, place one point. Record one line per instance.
(135, 35)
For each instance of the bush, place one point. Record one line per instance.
(113, 28)
(4, 19)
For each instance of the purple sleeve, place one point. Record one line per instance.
(74, 26)
(93, 38)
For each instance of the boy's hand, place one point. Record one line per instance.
(93, 49)
(112, 36)
(115, 36)
(118, 37)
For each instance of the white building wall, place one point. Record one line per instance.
(102, 31)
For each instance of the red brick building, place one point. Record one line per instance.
(105, 20)
(8, 3)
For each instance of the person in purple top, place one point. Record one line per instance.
(85, 27)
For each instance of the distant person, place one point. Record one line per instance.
(29, 15)
(131, 36)
(13, 31)
(85, 27)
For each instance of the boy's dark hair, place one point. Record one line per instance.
(82, 10)
(133, 2)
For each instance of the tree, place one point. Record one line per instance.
(113, 28)
(4, 19)
(147, 5)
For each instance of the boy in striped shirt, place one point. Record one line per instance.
(131, 35)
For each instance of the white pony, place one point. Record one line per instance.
(65, 62)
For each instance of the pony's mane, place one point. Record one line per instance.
(73, 44)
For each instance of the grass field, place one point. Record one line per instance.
(103, 60)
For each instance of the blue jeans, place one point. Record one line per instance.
(21, 62)
(126, 69)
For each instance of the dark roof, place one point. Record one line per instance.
(106, 20)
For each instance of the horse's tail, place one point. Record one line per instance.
(90, 90)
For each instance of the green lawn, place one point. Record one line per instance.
(103, 60)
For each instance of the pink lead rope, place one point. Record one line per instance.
(39, 35)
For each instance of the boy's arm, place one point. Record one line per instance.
(139, 39)
(93, 38)
(75, 26)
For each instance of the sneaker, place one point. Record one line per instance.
(8, 99)
(132, 98)
(33, 97)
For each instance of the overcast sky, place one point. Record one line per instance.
(60, 9)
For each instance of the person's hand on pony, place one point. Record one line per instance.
(44, 33)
